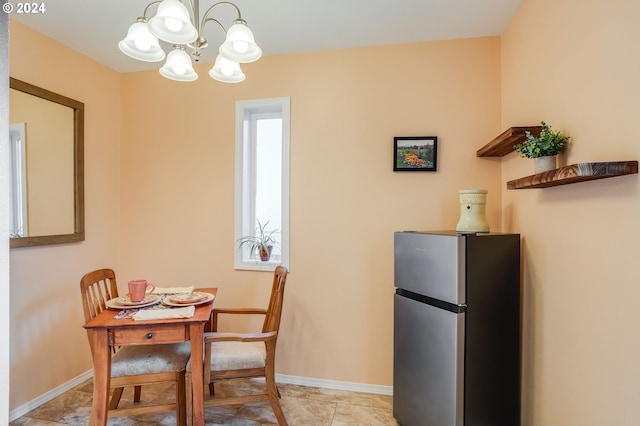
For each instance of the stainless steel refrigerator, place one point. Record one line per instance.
(456, 329)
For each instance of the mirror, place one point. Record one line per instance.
(47, 159)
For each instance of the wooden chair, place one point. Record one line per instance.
(136, 365)
(241, 355)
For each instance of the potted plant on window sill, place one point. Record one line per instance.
(544, 148)
(261, 243)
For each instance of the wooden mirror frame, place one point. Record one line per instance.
(78, 150)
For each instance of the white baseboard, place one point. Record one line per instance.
(46, 397)
(281, 378)
(333, 384)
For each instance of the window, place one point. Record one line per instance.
(262, 179)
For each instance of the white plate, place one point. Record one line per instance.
(123, 302)
(126, 300)
(186, 298)
(209, 298)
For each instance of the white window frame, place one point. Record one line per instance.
(244, 170)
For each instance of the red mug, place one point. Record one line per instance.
(138, 289)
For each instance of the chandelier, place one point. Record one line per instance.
(175, 24)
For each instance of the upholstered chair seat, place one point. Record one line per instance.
(136, 360)
(236, 356)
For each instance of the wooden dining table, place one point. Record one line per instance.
(108, 332)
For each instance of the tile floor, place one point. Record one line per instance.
(302, 405)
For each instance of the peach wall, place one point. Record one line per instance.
(346, 202)
(48, 345)
(575, 65)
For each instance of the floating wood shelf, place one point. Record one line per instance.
(503, 144)
(575, 173)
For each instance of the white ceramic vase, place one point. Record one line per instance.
(544, 164)
(472, 211)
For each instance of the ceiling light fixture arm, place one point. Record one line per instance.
(208, 12)
(146, 9)
(145, 18)
(202, 42)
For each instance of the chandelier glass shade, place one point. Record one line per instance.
(172, 23)
(226, 71)
(178, 66)
(240, 45)
(181, 26)
(141, 44)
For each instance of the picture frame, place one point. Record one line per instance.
(415, 153)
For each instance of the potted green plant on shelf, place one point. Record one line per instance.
(544, 148)
(261, 243)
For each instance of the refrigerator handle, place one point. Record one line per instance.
(451, 307)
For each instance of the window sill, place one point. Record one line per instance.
(257, 265)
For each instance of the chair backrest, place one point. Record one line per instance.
(97, 287)
(274, 310)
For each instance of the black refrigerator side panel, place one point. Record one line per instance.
(492, 380)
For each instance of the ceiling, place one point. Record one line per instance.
(94, 27)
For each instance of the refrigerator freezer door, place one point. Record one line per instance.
(428, 370)
(431, 265)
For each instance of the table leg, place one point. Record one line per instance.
(196, 333)
(101, 377)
